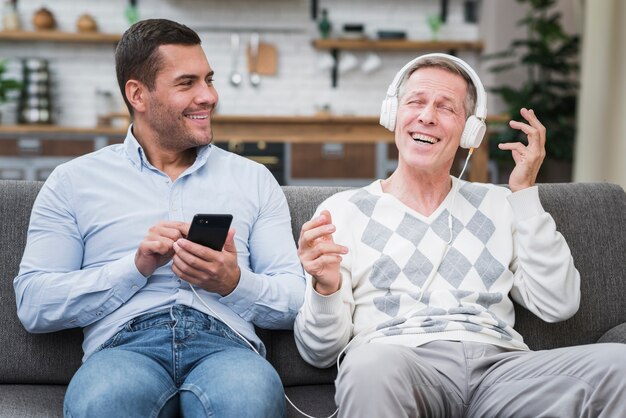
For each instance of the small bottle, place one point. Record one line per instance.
(10, 17)
(132, 12)
(324, 25)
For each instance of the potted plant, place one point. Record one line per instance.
(550, 58)
(7, 85)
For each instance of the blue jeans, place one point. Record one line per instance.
(177, 362)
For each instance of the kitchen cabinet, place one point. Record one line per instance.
(316, 147)
(338, 44)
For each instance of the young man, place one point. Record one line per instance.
(414, 276)
(168, 324)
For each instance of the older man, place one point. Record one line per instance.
(414, 276)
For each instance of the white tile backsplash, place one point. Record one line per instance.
(299, 88)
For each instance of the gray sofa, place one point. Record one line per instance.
(35, 369)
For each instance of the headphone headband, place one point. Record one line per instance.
(475, 128)
(480, 110)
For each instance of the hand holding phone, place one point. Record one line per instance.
(210, 230)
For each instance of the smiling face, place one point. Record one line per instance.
(430, 120)
(176, 113)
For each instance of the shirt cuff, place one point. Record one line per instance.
(124, 277)
(525, 203)
(324, 304)
(245, 294)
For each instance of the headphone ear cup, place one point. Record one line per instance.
(473, 133)
(388, 111)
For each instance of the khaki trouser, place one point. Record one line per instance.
(461, 379)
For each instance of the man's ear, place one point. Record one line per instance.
(136, 95)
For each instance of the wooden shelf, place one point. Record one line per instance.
(251, 128)
(292, 129)
(58, 36)
(286, 129)
(337, 44)
(395, 44)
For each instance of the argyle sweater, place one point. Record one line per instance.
(504, 247)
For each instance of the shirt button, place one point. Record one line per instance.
(135, 287)
(99, 313)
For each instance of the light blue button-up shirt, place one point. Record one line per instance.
(78, 268)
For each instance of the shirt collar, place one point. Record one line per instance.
(137, 156)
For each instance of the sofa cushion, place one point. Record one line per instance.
(615, 335)
(27, 358)
(313, 400)
(592, 218)
(32, 401)
(303, 201)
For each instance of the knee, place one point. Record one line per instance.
(251, 392)
(109, 385)
(605, 358)
(262, 384)
(370, 366)
(93, 397)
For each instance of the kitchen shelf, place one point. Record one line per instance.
(292, 129)
(395, 44)
(318, 129)
(58, 36)
(337, 44)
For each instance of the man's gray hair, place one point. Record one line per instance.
(469, 102)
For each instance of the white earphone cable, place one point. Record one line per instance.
(216, 315)
(368, 330)
(433, 272)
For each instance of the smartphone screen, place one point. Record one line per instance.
(210, 230)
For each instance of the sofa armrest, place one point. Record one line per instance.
(616, 334)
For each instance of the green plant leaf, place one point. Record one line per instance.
(550, 57)
(7, 85)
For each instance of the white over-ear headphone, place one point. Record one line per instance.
(475, 127)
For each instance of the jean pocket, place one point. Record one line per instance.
(111, 342)
(225, 331)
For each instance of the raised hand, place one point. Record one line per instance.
(320, 255)
(528, 158)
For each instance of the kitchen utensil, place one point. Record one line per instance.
(86, 23)
(353, 31)
(235, 77)
(391, 34)
(11, 17)
(255, 78)
(267, 60)
(371, 63)
(347, 62)
(35, 99)
(43, 19)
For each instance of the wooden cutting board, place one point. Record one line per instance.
(267, 61)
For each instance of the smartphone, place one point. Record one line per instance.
(210, 230)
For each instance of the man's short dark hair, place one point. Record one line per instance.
(137, 56)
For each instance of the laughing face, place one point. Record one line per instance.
(430, 120)
(179, 108)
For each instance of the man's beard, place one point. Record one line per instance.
(172, 132)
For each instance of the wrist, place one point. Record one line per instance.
(325, 289)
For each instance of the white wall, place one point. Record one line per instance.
(78, 70)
